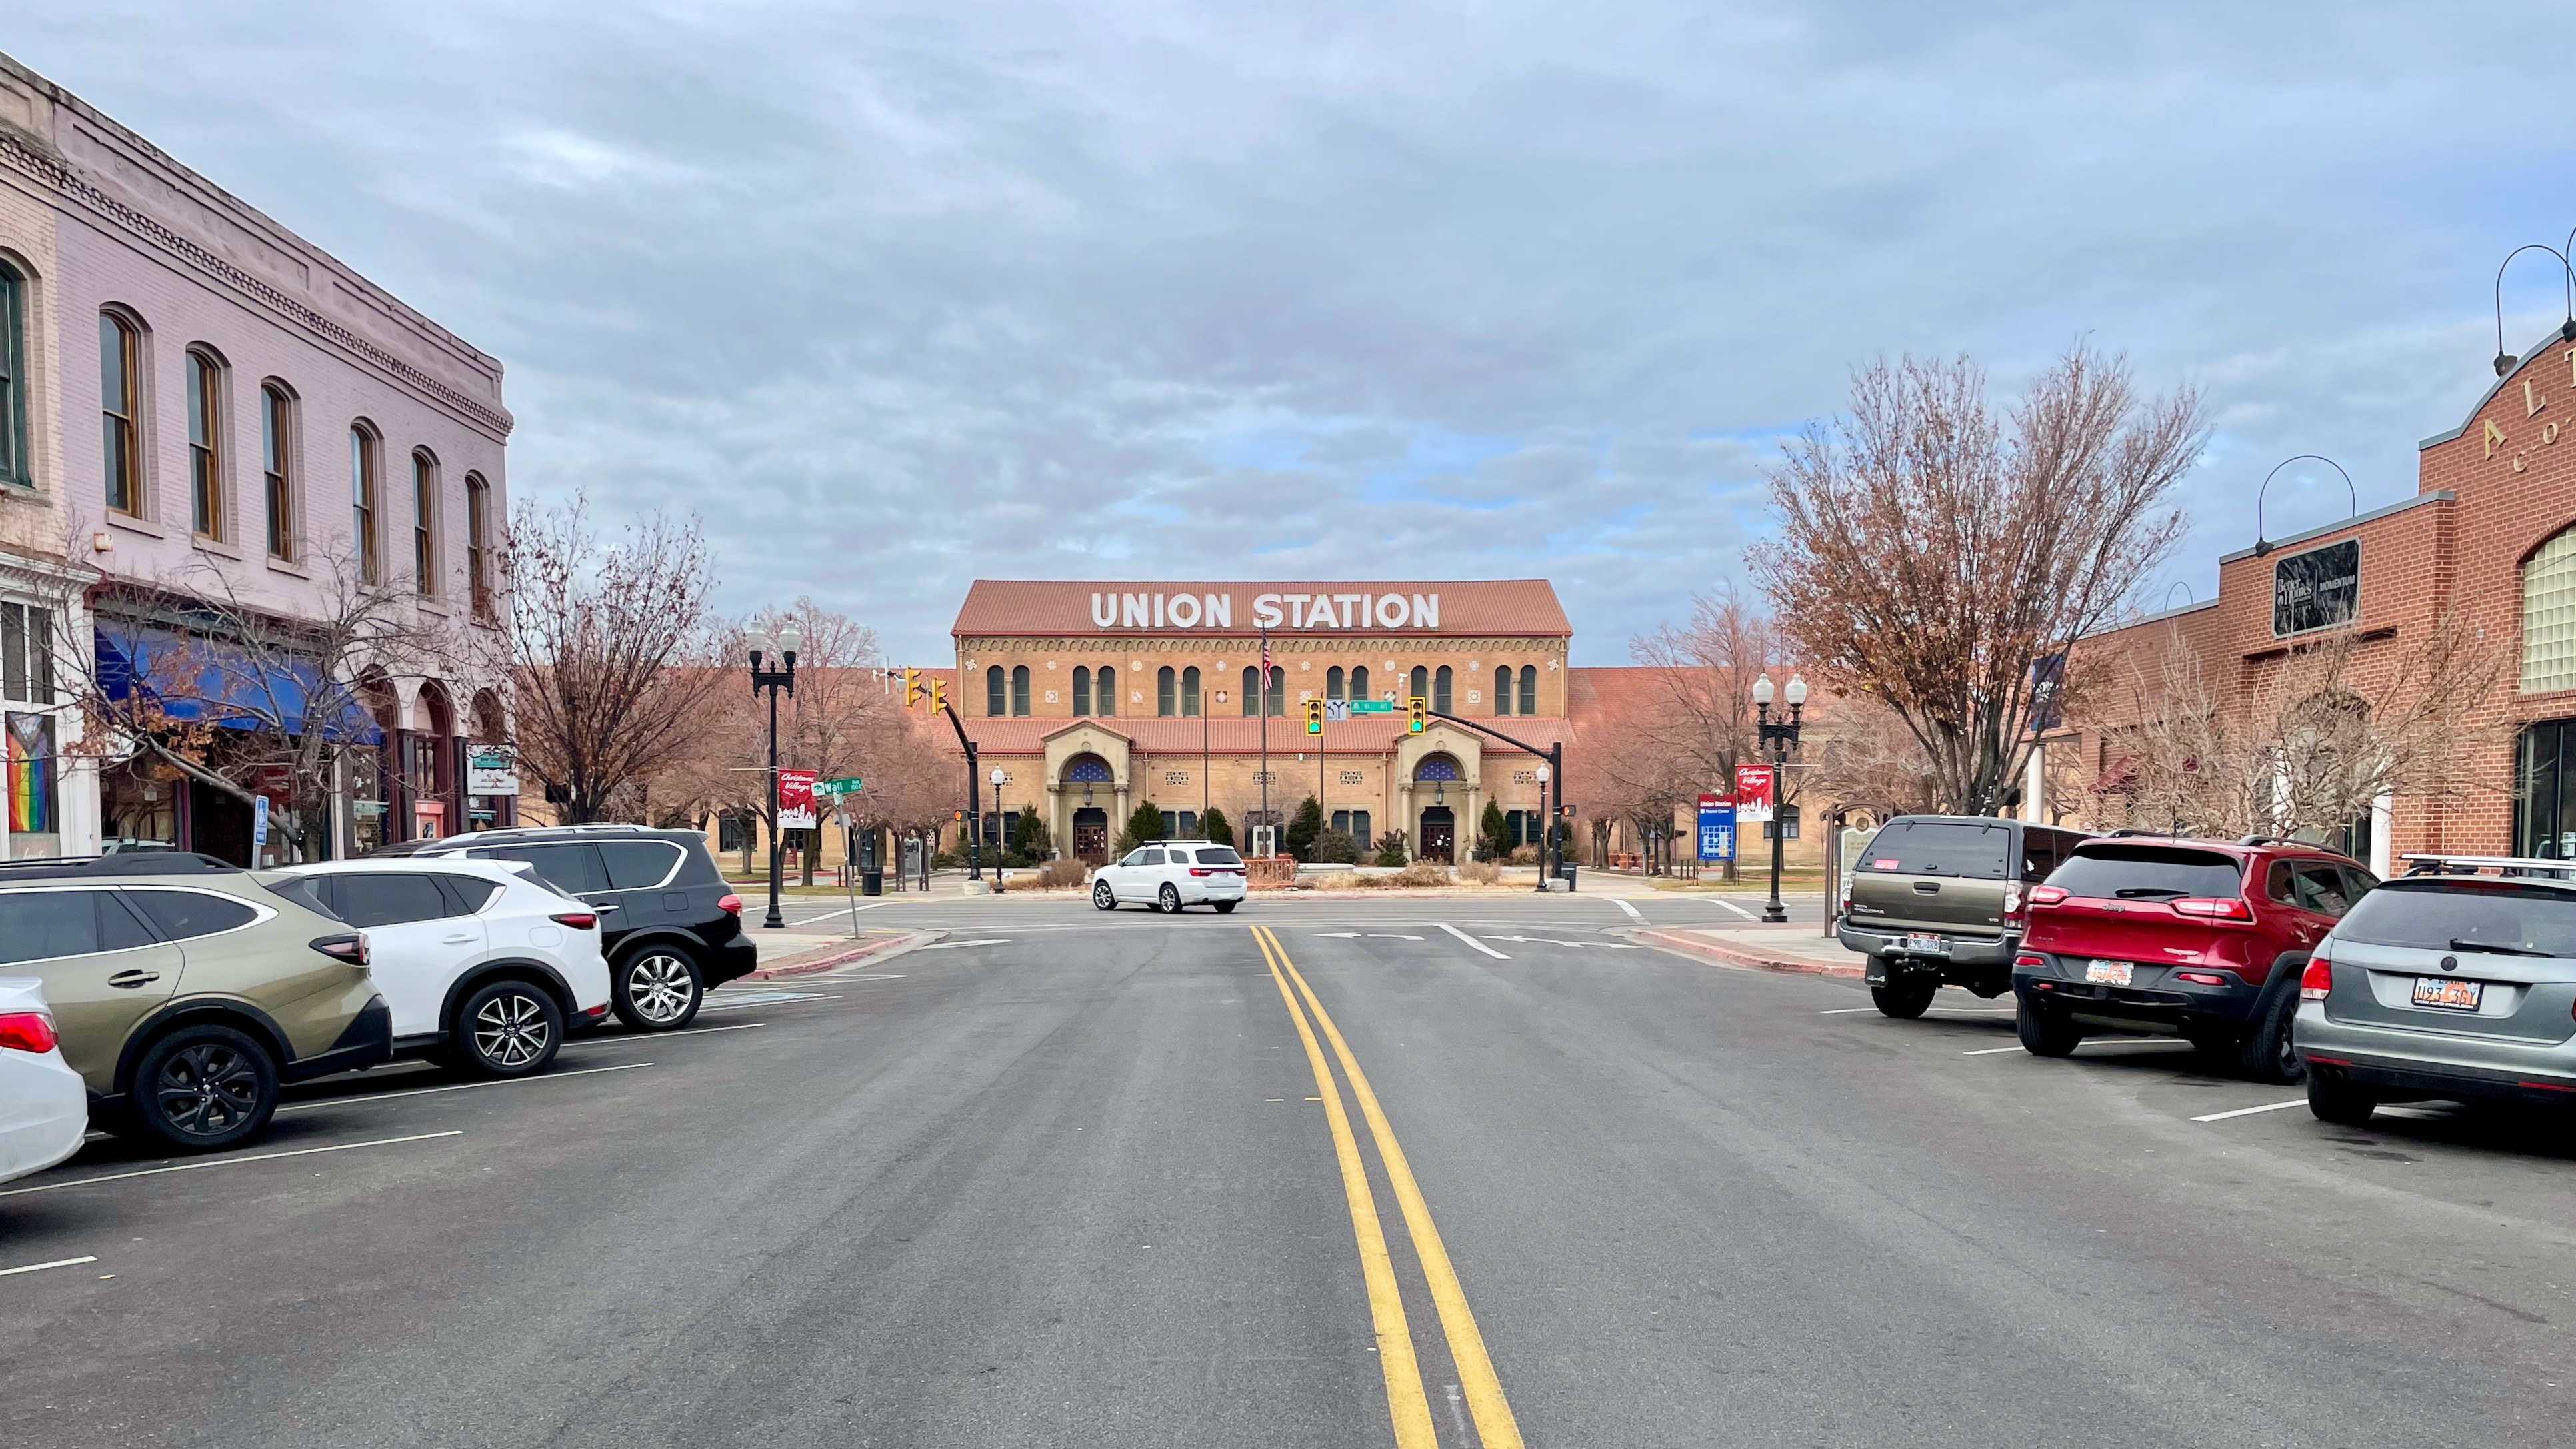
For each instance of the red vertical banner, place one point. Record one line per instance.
(1753, 791)
(795, 799)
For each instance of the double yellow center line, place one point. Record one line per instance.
(1405, 1400)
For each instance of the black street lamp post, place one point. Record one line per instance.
(1779, 740)
(773, 680)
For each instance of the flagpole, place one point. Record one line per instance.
(1261, 702)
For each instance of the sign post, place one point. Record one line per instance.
(1716, 828)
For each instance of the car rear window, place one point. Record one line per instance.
(1939, 847)
(308, 891)
(2148, 872)
(572, 867)
(2440, 915)
(185, 915)
(474, 890)
(638, 864)
(1219, 856)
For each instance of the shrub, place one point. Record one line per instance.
(1342, 880)
(1524, 855)
(1303, 827)
(1390, 848)
(1335, 847)
(1420, 873)
(1217, 827)
(1480, 872)
(1144, 823)
(1493, 832)
(1057, 875)
(1028, 838)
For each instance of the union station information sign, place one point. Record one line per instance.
(1268, 611)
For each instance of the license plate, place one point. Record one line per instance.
(2107, 973)
(1931, 945)
(2446, 993)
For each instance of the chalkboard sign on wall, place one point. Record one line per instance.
(2317, 589)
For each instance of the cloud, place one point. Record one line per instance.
(894, 296)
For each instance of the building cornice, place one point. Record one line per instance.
(53, 173)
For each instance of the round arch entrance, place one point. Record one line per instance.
(1089, 774)
(1436, 832)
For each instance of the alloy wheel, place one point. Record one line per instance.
(660, 987)
(511, 1030)
(207, 1090)
(1103, 897)
(1171, 898)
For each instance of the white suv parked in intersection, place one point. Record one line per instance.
(480, 962)
(1170, 874)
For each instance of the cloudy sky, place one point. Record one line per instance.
(894, 296)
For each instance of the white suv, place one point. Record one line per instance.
(1170, 874)
(480, 962)
(44, 1107)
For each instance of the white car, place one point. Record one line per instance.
(44, 1109)
(1170, 874)
(480, 962)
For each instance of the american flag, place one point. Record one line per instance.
(1265, 659)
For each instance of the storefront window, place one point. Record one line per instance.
(366, 800)
(138, 808)
(2544, 822)
(2549, 617)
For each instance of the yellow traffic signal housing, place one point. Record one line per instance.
(1417, 715)
(1314, 716)
(911, 687)
(938, 695)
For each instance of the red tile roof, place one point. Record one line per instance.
(1230, 735)
(1526, 607)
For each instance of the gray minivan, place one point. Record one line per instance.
(1937, 900)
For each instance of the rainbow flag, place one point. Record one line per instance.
(30, 773)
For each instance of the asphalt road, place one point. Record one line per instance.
(1075, 1186)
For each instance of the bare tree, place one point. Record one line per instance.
(1932, 553)
(610, 647)
(1700, 710)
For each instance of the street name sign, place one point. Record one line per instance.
(849, 786)
(1371, 706)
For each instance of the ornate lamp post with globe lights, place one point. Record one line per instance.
(1779, 740)
(773, 679)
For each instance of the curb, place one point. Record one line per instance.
(839, 958)
(1733, 956)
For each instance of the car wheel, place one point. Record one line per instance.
(2266, 1054)
(2211, 1041)
(2045, 1033)
(1103, 897)
(508, 1029)
(204, 1088)
(657, 989)
(1225, 908)
(1905, 1000)
(1170, 896)
(2338, 1100)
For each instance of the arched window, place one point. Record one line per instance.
(478, 543)
(1020, 690)
(205, 444)
(424, 521)
(1081, 691)
(2549, 616)
(1438, 767)
(277, 466)
(1440, 691)
(1421, 682)
(1251, 695)
(1275, 703)
(14, 467)
(1333, 682)
(1108, 693)
(1359, 682)
(1502, 689)
(120, 406)
(1529, 689)
(365, 489)
(1190, 692)
(1167, 684)
(996, 702)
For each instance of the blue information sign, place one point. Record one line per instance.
(1716, 830)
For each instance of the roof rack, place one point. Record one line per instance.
(2439, 863)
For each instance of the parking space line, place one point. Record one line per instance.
(40, 1267)
(762, 998)
(1633, 913)
(360, 1100)
(1991, 1051)
(642, 1038)
(953, 945)
(1472, 941)
(229, 1162)
(2250, 1111)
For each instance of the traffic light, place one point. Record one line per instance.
(938, 695)
(1417, 715)
(911, 687)
(1314, 716)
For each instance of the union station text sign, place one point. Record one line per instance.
(1216, 611)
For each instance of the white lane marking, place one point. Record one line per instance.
(717, 999)
(361, 1099)
(1391, 936)
(2250, 1111)
(57, 1263)
(1846, 1010)
(1633, 913)
(953, 945)
(1990, 1051)
(1345, 935)
(1472, 941)
(1554, 941)
(872, 976)
(1739, 910)
(231, 1161)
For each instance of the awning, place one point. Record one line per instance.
(205, 679)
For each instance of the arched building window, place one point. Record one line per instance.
(1420, 684)
(1252, 693)
(1359, 682)
(2549, 616)
(1438, 767)
(1167, 692)
(478, 543)
(1190, 692)
(120, 406)
(14, 466)
(205, 444)
(424, 522)
(1020, 690)
(1333, 682)
(1081, 691)
(1107, 694)
(1502, 689)
(366, 490)
(1440, 691)
(996, 702)
(1529, 689)
(277, 466)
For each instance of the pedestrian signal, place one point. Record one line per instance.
(911, 687)
(1417, 715)
(1314, 716)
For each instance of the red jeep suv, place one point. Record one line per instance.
(2201, 937)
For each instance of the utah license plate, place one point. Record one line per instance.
(1928, 945)
(2107, 973)
(2448, 994)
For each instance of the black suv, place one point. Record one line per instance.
(669, 925)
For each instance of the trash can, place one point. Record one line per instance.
(1565, 870)
(872, 882)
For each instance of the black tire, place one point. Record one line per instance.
(2340, 1101)
(1170, 896)
(507, 1029)
(203, 1088)
(657, 987)
(1103, 897)
(1225, 908)
(2216, 1042)
(2045, 1033)
(2266, 1054)
(1905, 1000)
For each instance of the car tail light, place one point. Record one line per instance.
(1200, 870)
(2012, 900)
(2317, 979)
(27, 1031)
(2027, 959)
(351, 948)
(579, 920)
(2201, 978)
(2047, 895)
(2215, 908)
(731, 904)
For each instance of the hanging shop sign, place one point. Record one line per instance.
(492, 770)
(2317, 589)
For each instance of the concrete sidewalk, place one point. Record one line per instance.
(1791, 947)
(801, 953)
